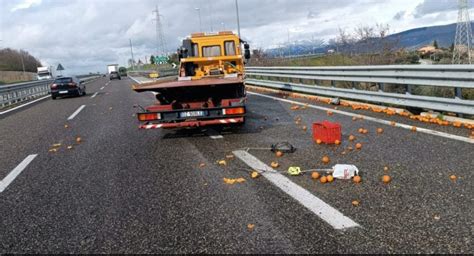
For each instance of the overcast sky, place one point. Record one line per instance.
(86, 35)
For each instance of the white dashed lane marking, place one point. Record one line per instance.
(15, 172)
(76, 112)
(323, 210)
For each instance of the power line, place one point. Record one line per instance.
(463, 39)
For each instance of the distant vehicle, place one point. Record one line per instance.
(65, 86)
(115, 75)
(123, 71)
(44, 73)
(112, 68)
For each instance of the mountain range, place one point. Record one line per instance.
(410, 39)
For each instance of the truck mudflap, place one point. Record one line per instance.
(196, 123)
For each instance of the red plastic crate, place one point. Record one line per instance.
(327, 132)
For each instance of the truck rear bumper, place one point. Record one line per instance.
(197, 123)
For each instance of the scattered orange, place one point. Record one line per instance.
(355, 203)
(325, 159)
(330, 178)
(202, 165)
(413, 128)
(337, 142)
(379, 130)
(357, 179)
(393, 123)
(318, 141)
(323, 179)
(453, 177)
(354, 118)
(385, 168)
(351, 137)
(329, 112)
(279, 153)
(274, 164)
(349, 148)
(365, 131)
(305, 128)
(315, 175)
(254, 175)
(250, 227)
(66, 126)
(78, 139)
(361, 130)
(358, 146)
(386, 179)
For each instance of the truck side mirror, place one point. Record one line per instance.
(246, 51)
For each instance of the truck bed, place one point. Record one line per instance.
(174, 83)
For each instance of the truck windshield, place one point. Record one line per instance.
(211, 51)
(229, 48)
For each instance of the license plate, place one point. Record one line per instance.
(191, 114)
(63, 92)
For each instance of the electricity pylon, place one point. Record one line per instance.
(463, 39)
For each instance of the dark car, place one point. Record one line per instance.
(65, 86)
(115, 75)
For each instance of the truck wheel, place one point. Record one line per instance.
(84, 92)
(53, 97)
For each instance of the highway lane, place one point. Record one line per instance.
(126, 190)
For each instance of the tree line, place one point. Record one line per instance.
(15, 60)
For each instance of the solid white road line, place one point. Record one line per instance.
(13, 174)
(95, 94)
(326, 212)
(76, 112)
(24, 105)
(102, 87)
(373, 119)
(215, 137)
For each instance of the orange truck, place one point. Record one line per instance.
(209, 89)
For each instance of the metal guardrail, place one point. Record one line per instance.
(451, 76)
(14, 93)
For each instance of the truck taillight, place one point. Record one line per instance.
(54, 85)
(149, 116)
(233, 111)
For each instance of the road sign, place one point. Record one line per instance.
(60, 67)
(161, 59)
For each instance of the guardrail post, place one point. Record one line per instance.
(333, 83)
(409, 89)
(458, 95)
(381, 87)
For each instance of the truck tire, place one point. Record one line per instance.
(53, 97)
(84, 92)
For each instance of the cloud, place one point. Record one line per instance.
(25, 5)
(435, 6)
(86, 35)
(399, 15)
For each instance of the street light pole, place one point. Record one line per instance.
(238, 18)
(22, 63)
(131, 51)
(200, 21)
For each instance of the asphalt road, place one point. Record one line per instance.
(125, 190)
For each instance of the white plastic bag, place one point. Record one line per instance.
(344, 171)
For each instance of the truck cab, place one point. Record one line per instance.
(209, 88)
